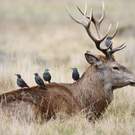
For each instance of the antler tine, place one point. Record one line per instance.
(105, 51)
(77, 21)
(109, 28)
(97, 22)
(80, 10)
(114, 34)
(117, 49)
(86, 6)
(83, 13)
(96, 41)
(103, 14)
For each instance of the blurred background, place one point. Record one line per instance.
(39, 34)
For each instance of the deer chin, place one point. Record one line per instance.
(131, 83)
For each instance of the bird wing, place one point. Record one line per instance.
(47, 76)
(24, 83)
(40, 81)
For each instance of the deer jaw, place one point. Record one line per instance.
(92, 87)
(121, 76)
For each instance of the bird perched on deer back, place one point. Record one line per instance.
(108, 42)
(75, 74)
(47, 75)
(20, 82)
(39, 81)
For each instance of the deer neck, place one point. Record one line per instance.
(92, 87)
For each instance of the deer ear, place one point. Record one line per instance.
(91, 59)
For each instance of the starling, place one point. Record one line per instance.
(47, 75)
(75, 74)
(39, 80)
(108, 42)
(20, 82)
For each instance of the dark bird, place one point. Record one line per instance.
(20, 82)
(47, 75)
(75, 74)
(39, 80)
(108, 42)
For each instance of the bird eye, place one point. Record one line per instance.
(115, 68)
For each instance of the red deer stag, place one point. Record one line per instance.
(92, 93)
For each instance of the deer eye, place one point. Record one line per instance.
(115, 68)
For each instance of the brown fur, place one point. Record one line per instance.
(47, 103)
(57, 98)
(91, 94)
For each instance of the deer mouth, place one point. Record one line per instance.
(132, 83)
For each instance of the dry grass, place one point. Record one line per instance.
(38, 34)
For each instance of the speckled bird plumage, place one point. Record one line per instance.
(75, 74)
(20, 82)
(47, 75)
(108, 42)
(39, 80)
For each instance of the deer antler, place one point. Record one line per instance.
(116, 49)
(86, 23)
(114, 34)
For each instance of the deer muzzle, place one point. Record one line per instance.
(132, 81)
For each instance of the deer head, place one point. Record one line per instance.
(112, 73)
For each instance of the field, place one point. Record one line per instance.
(39, 34)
